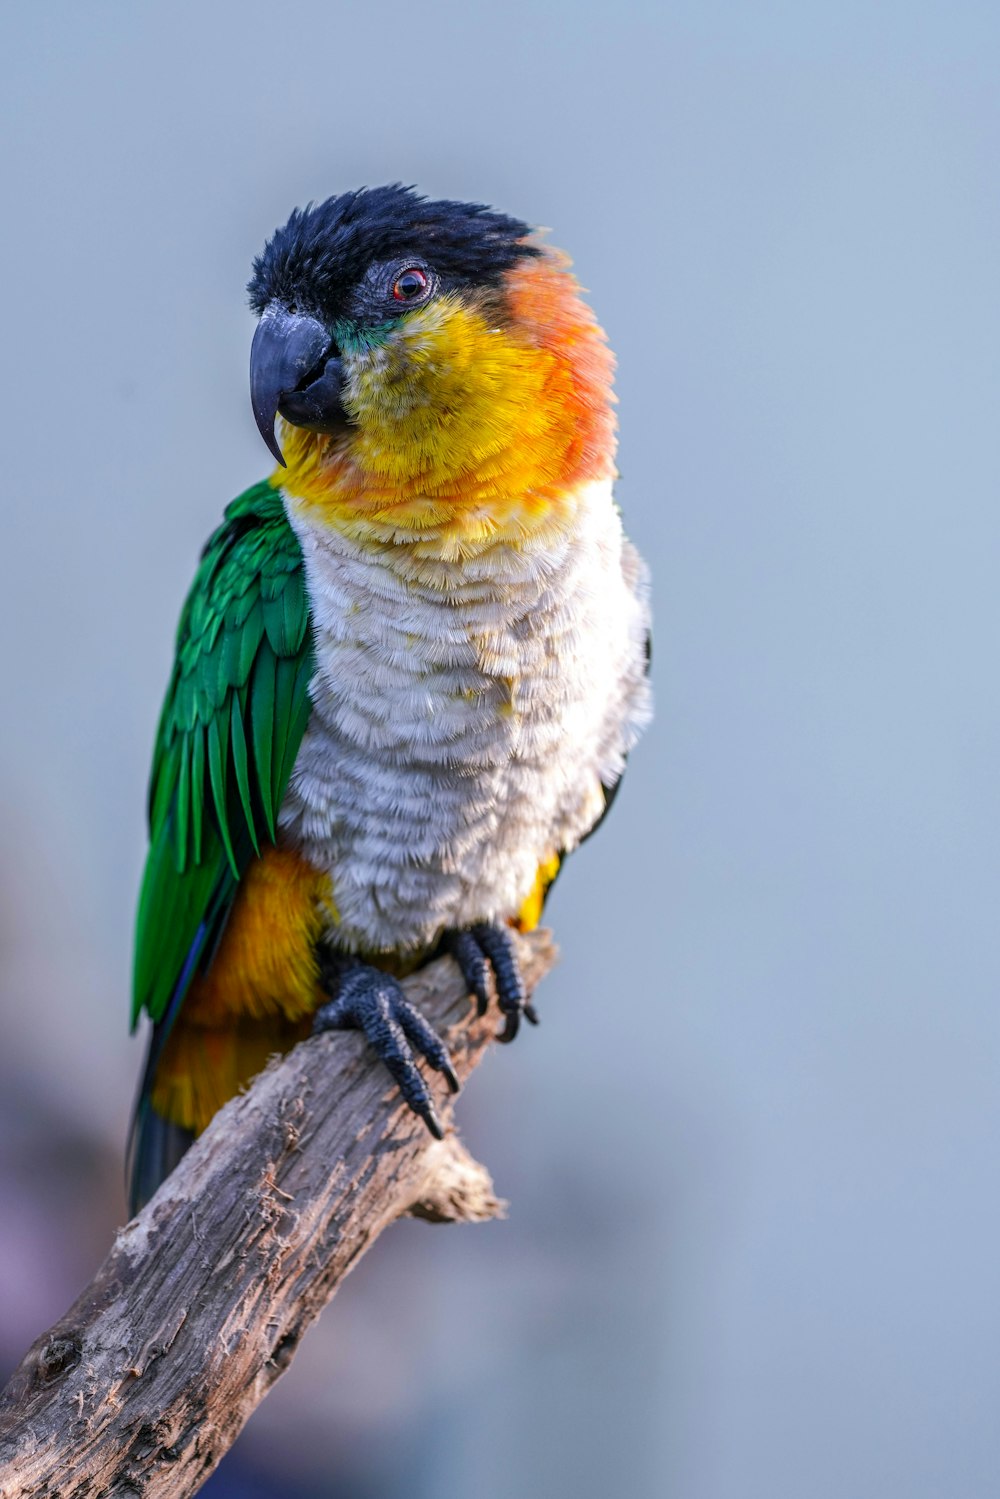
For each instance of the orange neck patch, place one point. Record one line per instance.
(463, 427)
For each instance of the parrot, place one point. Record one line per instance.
(409, 669)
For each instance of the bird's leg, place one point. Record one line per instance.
(366, 999)
(476, 950)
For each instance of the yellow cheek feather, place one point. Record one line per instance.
(462, 424)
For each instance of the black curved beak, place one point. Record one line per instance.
(287, 347)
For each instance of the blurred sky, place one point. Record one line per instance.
(754, 1240)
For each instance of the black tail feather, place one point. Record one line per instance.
(155, 1148)
(155, 1145)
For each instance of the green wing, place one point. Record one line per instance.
(234, 715)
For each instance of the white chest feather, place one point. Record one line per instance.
(465, 716)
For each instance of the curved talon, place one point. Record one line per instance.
(373, 1002)
(430, 1118)
(472, 961)
(511, 1026)
(482, 947)
(451, 1078)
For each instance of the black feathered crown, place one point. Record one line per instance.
(320, 255)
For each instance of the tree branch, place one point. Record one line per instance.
(199, 1307)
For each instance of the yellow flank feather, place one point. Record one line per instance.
(258, 994)
(265, 966)
(530, 913)
(202, 1067)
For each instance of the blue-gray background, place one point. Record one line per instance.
(753, 1246)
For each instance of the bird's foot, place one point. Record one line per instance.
(371, 1001)
(476, 950)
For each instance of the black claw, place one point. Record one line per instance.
(511, 1026)
(475, 969)
(498, 945)
(373, 1002)
(451, 1078)
(430, 1118)
(487, 946)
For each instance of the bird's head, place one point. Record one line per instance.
(428, 361)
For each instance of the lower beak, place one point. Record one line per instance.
(288, 348)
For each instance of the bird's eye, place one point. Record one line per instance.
(410, 284)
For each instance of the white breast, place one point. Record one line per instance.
(466, 714)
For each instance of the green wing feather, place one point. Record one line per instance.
(232, 722)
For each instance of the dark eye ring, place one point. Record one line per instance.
(410, 284)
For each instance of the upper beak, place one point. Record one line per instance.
(286, 346)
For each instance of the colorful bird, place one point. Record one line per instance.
(411, 664)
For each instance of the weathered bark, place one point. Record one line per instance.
(145, 1383)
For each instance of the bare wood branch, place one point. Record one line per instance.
(199, 1307)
